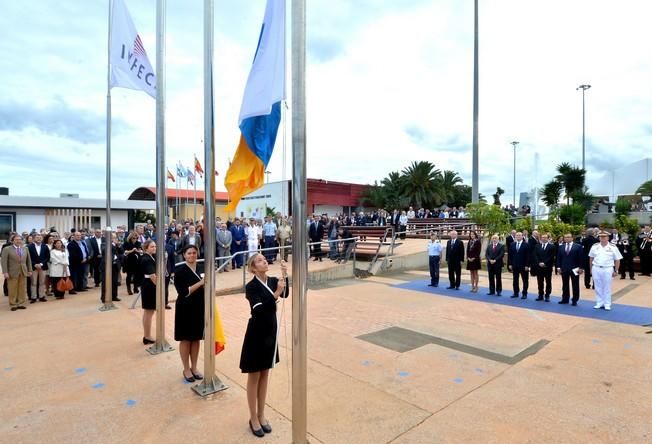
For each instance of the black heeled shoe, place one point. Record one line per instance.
(259, 433)
(188, 378)
(267, 428)
(147, 341)
(198, 376)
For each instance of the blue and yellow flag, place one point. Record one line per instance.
(260, 113)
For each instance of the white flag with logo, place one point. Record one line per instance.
(130, 67)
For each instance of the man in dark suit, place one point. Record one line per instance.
(495, 254)
(587, 243)
(95, 243)
(519, 264)
(40, 257)
(509, 240)
(78, 257)
(239, 238)
(454, 259)
(570, 260)
(544, 258)
(192, 238)
(316, 234)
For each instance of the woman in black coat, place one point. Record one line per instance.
(132, 250)
(260, 346)
(189, 313)
(148, 290)
(473, 251)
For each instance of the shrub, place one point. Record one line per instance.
(573, 214)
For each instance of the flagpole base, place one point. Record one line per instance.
(108, 307)
(209, 385)
(160, 348)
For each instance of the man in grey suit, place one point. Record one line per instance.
(16, 267)
(224, 239)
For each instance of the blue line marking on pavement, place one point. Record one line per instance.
(620, 313)
(366, 363)
(186, 382)
(80, 370)
(403, 374)
(458, 380)
(627, 345)
(130, 403)
(595, 341)
(8, 369)
(98, 385)
(479, 370)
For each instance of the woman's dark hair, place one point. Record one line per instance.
(147, 243)
(475, 235)
(188, 247)
(54, 244)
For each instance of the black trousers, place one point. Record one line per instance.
(96, 265)
(433, 262)
(544, 275)
(115, 274)
(454, 274)
(587, 273)
(567, 279)
(626, 265)
(77, 276)
(646, 262)
(495, 278)
(517, 275)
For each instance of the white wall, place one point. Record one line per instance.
(118, 217)
(26, 219)
(271, 195)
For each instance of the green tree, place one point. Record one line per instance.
(645, 188)
(551, 192)
(574, 214)
(623, 207)
(374, 196)
(572, 178)
(420, 184)
(393, 191)
(494, 218)
(584, 198)
(447, 183)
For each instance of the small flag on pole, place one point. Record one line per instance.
(260, 113)
(220, 338)
(130, 67)
(190, 177)
(180, 170)
(170, 176)
(198, 168)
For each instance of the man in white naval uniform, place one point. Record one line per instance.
(605, 260)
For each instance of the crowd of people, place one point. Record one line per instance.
(596, 256)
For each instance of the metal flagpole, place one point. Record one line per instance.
(475, 192)
(211, 383)
(194, 199)
(299, 252)
(108, 252)
(161, 344)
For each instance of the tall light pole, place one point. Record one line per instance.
(583, 88)
(475, 191)
(514, 143)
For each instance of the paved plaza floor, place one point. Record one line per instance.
(390, 360)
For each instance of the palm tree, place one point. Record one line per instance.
(551, 192)
(448, 180)
(420, 184)
(572, 178)
(392, 187)
(645, 188)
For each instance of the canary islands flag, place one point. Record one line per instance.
(260, 113)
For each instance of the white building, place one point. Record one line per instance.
(25, 213)
(621, 181)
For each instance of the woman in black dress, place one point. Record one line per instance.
(473, 251)
(148, 291)
(189, 313)
(132, 250)
(260, 347)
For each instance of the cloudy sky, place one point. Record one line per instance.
(389, 82)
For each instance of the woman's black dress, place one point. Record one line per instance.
(259, 347)
(189, 309)
(148, 290)
(473, 250)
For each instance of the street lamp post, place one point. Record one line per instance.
(514, 197)
(267, 173)
(583, 88)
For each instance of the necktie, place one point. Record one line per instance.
(518, 245)
(567, 248)
(494, 247)
(19, 251)
(544, 246)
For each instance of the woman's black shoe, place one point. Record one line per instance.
(188, 378)
(198, 376)
(259, 433)
(147, 341)
(266, 427)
